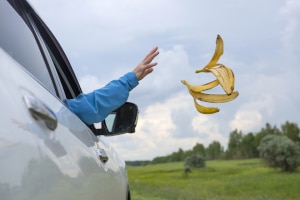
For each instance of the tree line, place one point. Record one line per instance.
(240, 145)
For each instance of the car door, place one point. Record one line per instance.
(46, 152)
(114, 177)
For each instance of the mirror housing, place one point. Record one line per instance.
(122, 120)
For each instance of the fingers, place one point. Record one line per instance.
(151, 52)
(150, 66)
(146, 66)
(146, 72)
(151, 55)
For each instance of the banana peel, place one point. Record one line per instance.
(219, 50)
(200, 88)
(214, 98)
(224, 77)
(211, 98)
(204, 109)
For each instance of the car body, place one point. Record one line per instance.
(46, 151)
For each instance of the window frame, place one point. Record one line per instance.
(64, 77)
(59, 67)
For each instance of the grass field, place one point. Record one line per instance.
(219, 180)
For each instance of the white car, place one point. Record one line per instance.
(46, 151)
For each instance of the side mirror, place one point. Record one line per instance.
(123, 120)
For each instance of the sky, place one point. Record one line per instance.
(105, 39)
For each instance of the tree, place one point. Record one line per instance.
(248, 146)
(194, 161)
(177, 156)
(280, 152)
(291, 130)
(188, 153)
(234, 144)
(214, 150)
(267, 130)
(199, 149)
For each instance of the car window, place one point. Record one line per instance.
(19, 42)
(68, 80)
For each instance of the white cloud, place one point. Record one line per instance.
(155, 130)
(263, 103)
(89, 83)
(246, 121)
(172, 63)
(207, 127)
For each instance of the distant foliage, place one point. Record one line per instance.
(234, 145)
(240, 145)
(280, 152)
(138, 163)
(214, 151)
(194, 160)
(291, 130)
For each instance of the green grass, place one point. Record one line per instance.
(219, 180)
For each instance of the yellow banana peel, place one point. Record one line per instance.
(224, 77)
(219, 50)
(231, 77)
(205, 110)
(214, 98)
(199, 88)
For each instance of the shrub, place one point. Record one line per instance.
(280, 152)
(194, 161)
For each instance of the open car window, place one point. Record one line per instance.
(19, 42)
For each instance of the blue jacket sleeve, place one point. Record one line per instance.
(95, 106)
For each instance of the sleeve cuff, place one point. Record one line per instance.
(132, 80)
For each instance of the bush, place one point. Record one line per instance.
(194, 161)
(280, 152)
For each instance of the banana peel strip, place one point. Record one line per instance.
(205, 110)
(214, 98)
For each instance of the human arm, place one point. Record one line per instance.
(95, 106)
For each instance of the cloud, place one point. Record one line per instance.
(246, 120)
(165, 81)
(157, 131)
(209, 130)
(89, 83)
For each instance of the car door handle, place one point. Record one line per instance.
(40, 111)
(102, 155)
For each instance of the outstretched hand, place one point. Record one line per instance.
(146, 66)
